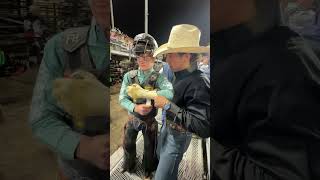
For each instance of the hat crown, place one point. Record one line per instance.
(184, 38)
(184, 35)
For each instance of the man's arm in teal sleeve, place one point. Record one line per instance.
(124, 99)
(46, 118)
(165, 87)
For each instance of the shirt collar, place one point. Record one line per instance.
(145, 73)
(184, 73)
(232, 40)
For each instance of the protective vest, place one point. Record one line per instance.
(149, 84)
(77, 57)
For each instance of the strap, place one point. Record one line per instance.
(133, 74)
(76, 53)
(74, 38)
(75, 48)
(152, 80)
(158, 65)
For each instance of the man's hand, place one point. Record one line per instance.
(142, 109)
(160, 101)
(94, 150)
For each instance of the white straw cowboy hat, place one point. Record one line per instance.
(184, 38)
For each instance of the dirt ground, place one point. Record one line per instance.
(117, 119)
(21, 156)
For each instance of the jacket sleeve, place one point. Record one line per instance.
(124, 99)
(165, 87)
(283, 144)
(195, 116)
(46, 117)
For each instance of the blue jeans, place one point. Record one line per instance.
(172, 144)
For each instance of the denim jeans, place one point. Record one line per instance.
(172, 144)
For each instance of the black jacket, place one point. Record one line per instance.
(190, 105)
(265, 108)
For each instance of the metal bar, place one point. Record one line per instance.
(11, 20)
(146, 14)
(112, 17)
(19, 8)
(55, 17)
(8, 27)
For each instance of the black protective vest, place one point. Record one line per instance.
(77, 57)
(149, 84)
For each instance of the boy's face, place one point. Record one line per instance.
(145, 61)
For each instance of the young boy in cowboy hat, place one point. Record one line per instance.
(141, 115)
(188, 112)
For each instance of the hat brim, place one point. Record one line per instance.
(164, 49)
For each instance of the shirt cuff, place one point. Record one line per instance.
(165, 94)
(174, 108)
(131, 107)
(69, 144)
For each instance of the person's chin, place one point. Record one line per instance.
(173, 69)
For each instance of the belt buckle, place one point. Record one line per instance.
(176, 127)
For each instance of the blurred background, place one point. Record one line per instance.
(25, 27)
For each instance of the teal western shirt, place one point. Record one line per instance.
(46, 117)
(164, 88)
